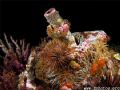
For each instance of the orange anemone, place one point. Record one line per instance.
(94, 68)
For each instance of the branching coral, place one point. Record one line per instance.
(14, 62)
(15, 58)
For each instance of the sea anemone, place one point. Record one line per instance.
(56, 55)
(96, 56)
(54, 63)
(106, 80)
(110, 80)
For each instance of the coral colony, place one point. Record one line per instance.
(65, 61)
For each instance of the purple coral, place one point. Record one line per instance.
(15, 58)
(8, 80)
(14, 62)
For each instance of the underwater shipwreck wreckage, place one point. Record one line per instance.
(66, 61)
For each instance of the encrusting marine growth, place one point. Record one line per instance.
(64, 61)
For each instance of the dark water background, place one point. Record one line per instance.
(25, 20)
